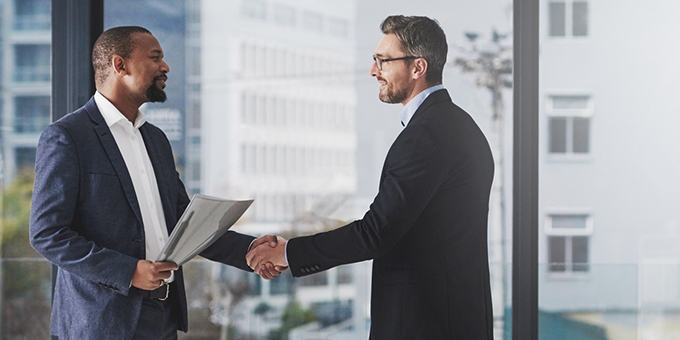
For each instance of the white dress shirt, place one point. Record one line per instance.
(131, 146)
(410, 108)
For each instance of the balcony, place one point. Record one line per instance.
(32, 22)
(32, 74)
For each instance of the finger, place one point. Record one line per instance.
(267, 271)
(280, 269)
(264, 274)
(264, 239)
(165, 266)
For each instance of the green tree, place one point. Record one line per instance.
(16, 210)
(293, 316)
(25, 277)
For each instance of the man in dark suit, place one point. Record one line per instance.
(426, 230)
(107, 196)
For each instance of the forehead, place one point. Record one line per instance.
(389, 46)
(145, 43)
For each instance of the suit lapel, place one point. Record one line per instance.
(116, 158)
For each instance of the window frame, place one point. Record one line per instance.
(568, 234)
(587, 112)
(77, 23)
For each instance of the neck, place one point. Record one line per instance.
(419, 87)
(127, 105)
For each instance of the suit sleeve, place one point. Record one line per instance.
(412, 173)
(54, 205)
(230, 249)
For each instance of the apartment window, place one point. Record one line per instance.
(284, 15)
(31, 113)
(32, 63)
(312, 21)
(568, 243)
(569, 124)
(568, 18)
(254, 9)
(32, 15)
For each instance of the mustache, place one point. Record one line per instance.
(161, 77)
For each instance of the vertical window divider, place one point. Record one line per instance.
(525, 170)
(76, 24)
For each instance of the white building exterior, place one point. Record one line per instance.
(24, 81)
(275, 82)
(609, 194)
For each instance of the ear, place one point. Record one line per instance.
(419, 68)
(118, 65)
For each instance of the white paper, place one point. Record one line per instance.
(202, 223)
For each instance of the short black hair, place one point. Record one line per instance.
(114, 41)
(421, 37)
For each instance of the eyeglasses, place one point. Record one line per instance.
(380, 61)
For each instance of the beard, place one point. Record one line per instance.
(392, 95)
(154, 93)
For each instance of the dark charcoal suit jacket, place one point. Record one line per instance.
(426, 231)
(85, 219)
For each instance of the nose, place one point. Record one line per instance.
(165, 68)
(374, 69)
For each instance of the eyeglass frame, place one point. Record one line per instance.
(379, 61)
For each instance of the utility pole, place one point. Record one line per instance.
(491, 62)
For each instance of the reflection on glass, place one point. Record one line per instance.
(269, 100)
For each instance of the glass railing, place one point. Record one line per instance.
(610, 301)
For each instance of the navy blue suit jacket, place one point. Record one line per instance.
(85, 219)
(426, 231)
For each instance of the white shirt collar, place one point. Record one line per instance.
(410, 108)
(112, 115)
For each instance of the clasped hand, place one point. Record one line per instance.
(267, 256)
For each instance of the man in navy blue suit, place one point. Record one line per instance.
(426, 230)
(106, 197)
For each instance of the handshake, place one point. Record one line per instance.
(267, 256)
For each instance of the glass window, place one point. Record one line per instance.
(556, 19)
(569, 125)
(567, 18)
(32, 113)
(275, 103)
(580, 19)
(312, 21)
(32, 63)
(254, 9)
(568, 242)
(284, 15)
(32, 15)
(624, 269)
